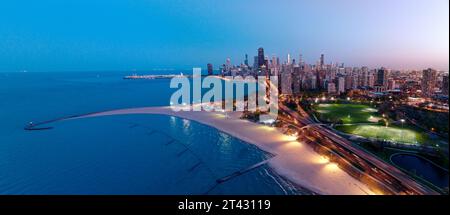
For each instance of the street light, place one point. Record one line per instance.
(403, 121)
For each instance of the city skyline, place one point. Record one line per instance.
(336, 78)
(142, 35)
(289, 58)
(243, 101)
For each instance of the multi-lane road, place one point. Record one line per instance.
(396, 181)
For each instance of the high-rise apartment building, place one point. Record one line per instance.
(341, 85)
(444, 87)
(381, 77)
(322, 60)
(428, 84)
(286, 79)
(261, 57)
(210, 69)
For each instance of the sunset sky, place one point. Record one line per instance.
(78, 35)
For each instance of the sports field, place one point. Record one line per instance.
(346, 113)
(392, 133)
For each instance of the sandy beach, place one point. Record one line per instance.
(293, 160)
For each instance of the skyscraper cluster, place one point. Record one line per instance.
(334, 78)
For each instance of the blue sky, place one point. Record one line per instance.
(74, 35)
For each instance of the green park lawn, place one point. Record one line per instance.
(346, 113)
(392, 133)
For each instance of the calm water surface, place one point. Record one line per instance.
(422, 168)
(130, 154)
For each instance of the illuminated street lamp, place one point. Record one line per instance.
(225, 113)
(403, 122)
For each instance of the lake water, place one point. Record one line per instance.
(129, 154)
(422, 168)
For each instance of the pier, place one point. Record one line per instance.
(242, 171)
(156, 76)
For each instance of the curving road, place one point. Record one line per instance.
(397, 181)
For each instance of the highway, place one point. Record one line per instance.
(392, 178)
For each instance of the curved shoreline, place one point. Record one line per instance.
(294, 161)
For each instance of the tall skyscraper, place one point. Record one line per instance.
(228, 62)
(381, 77)
(228, 65)
(261, 59)
(348, 81)
(444, 88)
(364, 76)
(286, 79)
(296, 79)
(322, 60)
(391, 84)
(210, 69)
(255, 63)
(321, 79)
(274, 61)
(288, 59)
(341, 85)
(371, 78)
(429, 77)
(313, 83)
(246, 60)
(331, 87)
